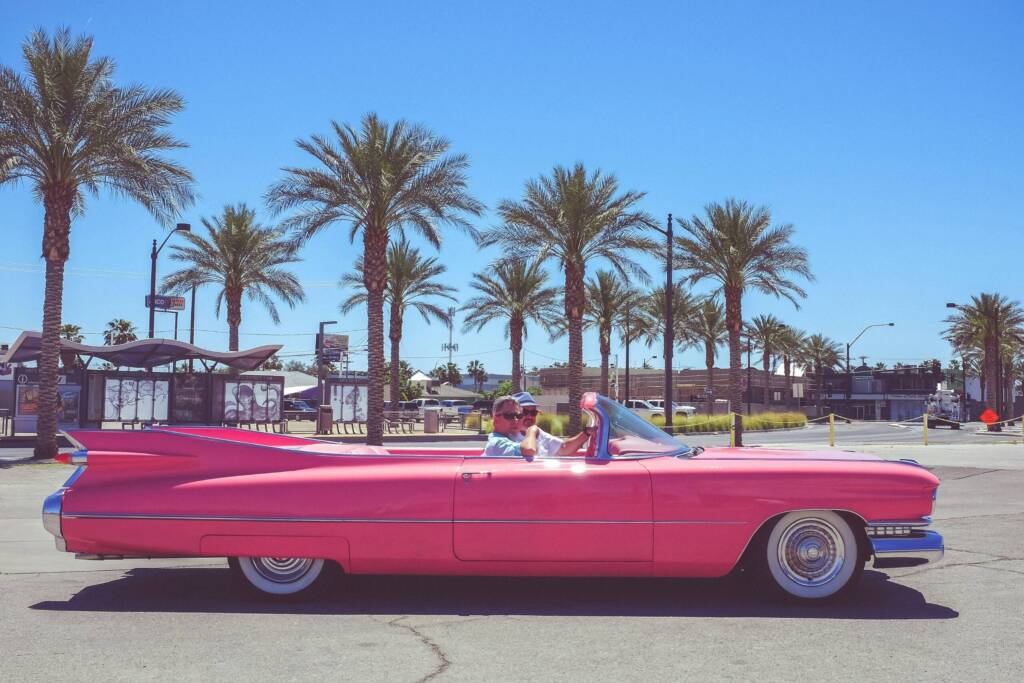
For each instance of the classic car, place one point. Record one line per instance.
(287, 511)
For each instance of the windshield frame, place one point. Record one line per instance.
(599, 405)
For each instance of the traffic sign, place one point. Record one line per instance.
(989, 416)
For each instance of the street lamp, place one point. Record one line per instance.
(669, 323)
(180, 227)
(849, 374)
(963, 366)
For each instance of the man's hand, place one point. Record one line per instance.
(528, 446)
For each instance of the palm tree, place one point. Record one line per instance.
(412, 281)
(821, 353)
(736, 245)
(517, 293)
(380, 178)
(243, 258)
(767, 333)
(709, 329)
(791, 346)
(478, 373)
(989, 325)
(68, 130)
(119, 331)
(71, 333)
(574, 218)
(607, 297)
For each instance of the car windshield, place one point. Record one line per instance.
(631, 435)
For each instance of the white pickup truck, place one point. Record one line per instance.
(944, 409)
(647, 408)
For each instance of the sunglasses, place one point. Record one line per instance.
(530, 413)
(511, 416)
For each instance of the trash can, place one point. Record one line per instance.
(324, 420)
(431, 420)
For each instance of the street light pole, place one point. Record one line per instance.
(180, 227)
(669, 325)
(963, 366)
(849, 373)
(626, 395)
(192, 324)
(749, 387)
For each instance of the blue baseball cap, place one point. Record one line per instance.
(524, 399)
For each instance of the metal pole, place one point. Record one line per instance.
(963, 364)
(669, 329)
(849, 381)
(748, 376)
(626, 395)
(192, 324)
(152, 289)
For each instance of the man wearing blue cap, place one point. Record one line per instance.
(548, 446)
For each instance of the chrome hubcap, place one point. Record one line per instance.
(811, 552)
(282, 569)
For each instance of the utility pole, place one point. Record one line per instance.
(192, 324)
(449, 347)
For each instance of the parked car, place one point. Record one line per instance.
(298, 409)
(289, 511)
(422, 403)
(678, 408)
(456, 405)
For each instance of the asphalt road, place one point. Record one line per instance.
(143, 620)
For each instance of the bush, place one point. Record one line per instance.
(720, 423)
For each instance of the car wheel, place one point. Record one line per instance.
(813, 555)
(279, 575)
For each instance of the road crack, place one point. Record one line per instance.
(442, 656)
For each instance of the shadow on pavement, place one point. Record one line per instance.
(213, 590)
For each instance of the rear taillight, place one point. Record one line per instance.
(79, 457)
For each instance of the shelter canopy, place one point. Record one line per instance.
(142, 353)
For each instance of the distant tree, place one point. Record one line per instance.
(296, 366)
(515, 293)
(821, 353)
(72, 333)
(478, 374)
(272, 363)
(879, 366)
(768, 335)
(574, 218)
(244, 259)
(504, 388)
(449, 372)
(67, 130)
(413, 281)
(709, 329)
(535, 391)
(736, 245)
(407, 389)
(791, 346)
(119, 331)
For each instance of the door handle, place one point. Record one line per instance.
(466, 476)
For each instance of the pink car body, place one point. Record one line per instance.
(184, 492)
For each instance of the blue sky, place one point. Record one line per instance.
(887, 133)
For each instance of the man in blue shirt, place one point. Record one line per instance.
(547, 445)
(506, 439)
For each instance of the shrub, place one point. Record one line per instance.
(720, 423)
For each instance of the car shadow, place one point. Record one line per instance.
(214, 590)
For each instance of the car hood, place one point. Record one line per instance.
(781, 454)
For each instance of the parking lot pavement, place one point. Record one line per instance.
(962, 618)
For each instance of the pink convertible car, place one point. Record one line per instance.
(286, 511)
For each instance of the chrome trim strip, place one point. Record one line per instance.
(922, 548)
(80, 457)
(923, 521)
(365, 520)
(51, 516)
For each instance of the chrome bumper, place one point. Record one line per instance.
(52, 509)
(919, 547)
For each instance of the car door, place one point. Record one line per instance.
(552, 509)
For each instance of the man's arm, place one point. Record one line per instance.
(571, 446)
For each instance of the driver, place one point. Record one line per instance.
(548, 446)
(507, 438)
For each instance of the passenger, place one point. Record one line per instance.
(507, 438)
(548, 446)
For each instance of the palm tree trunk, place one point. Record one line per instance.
(606, 350)
(821, 383)
(574, 303)
(395, 334)
(515, 333)
(375, 244)
(767, 381)
(234, 322)
(734, 323)
(992, 374)
(56, 247)
(709, 362)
